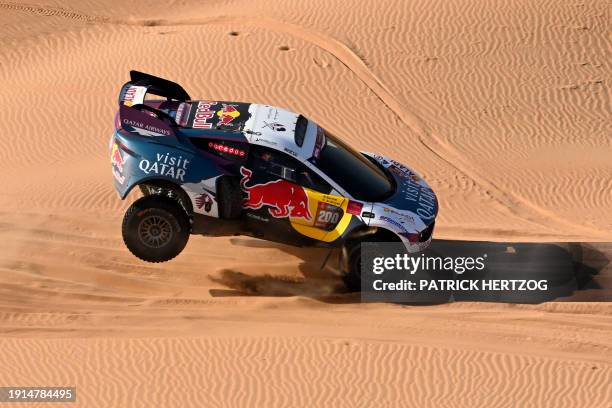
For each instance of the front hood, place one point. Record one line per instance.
(412, 193)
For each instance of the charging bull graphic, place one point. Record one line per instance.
(285, 199)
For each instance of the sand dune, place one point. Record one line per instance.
(504, 109)
(290, 371)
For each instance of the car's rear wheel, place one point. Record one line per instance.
(155, 228)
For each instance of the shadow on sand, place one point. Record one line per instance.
(574, 271)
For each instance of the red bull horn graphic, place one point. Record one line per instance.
(285, 199)
(227, 114)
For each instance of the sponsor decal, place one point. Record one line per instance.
(381, 159)
(394, 222)
(333, 200)
(202, 196)
(395, 170)
(285, 199)
(327, 216)
(203, 114)
(165, 165)
(403, 171)
(291, 152)
(134, 95)
(424, 197)
(257, 217)
(117, 162)
(415, 190)
(354, 207)
(401, 167)
(398, 171)
(399, 214)
(204, 200)
(368, 214)
(146, 129)
(277, 127)
(272, 113)
(227, 114)
(266, 141)
(180, 114)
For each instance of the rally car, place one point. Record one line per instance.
(259, 170)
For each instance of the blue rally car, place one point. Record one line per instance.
(218, 168)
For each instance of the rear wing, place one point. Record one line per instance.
(136, 116)
(134, 91)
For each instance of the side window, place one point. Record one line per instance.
(309, 179)
(284, 166)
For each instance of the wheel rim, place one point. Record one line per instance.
(155, 231)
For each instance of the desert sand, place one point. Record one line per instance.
(504, 108)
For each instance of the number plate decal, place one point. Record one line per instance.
(327, 216)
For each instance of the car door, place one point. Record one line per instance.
(289, 191)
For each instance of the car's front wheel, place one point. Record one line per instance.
(352, 273)
(352, 256)
(155, 228)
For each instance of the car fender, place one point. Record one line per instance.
(154, 162)
(405, 224)
(194, 173)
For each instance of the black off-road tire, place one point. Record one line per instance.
(155, 228)
(145, 189)
(352, 257)
(229, 197)
(352, 274)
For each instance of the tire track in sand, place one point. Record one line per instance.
(517, 205)
(48, 11)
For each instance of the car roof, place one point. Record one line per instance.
(263, 125)
(275, 128)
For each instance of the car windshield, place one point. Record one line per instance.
(361, 178)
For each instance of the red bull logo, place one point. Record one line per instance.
(227, 114)
(202, 115)
(285, 199)
(116, 158)
(117, 162)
